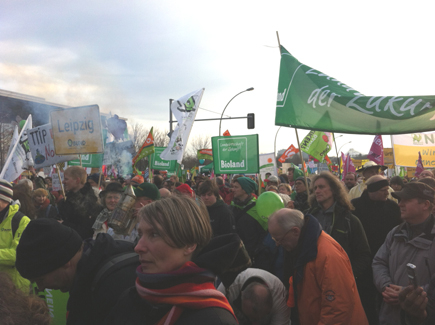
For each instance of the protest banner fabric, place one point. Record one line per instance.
(205, 154)
(42, 147)
(157, 162)
(317, 144)
(146, 149)
(420, 167)
(236, 154)
(376, 152)
(288, 153)
(184, 110)
(267, 165)
(309, 99)
(407, 146)
(20, 157)
(77, 130)
(227, 133)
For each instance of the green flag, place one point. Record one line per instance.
(205, 154)
(310, 99)
(317, 144)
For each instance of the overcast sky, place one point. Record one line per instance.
(131, 57)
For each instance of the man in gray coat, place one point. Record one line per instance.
(413, 241)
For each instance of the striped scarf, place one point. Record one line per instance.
(189, 287)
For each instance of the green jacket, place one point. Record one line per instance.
(8, 246)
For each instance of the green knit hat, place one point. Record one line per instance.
(247, 184)
(148, 190)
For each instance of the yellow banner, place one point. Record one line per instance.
(77, 130)
(407, 146)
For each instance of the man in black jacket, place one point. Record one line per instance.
(81, 208)
(378, 215)
(330, 205)
(55, 257)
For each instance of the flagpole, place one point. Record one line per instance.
(60, 180)
(338, 159)
(297, 136)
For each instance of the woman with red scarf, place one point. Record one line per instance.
(42, 204)
(170, 287)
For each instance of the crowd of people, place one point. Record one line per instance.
(199, 251)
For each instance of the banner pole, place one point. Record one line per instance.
(338, 158)
(302, 162)
(81, 165)
(60, 180)
(99, 178)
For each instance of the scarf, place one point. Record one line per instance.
(43, 206)
(189, 287)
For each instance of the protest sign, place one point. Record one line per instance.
(407, 146)
(56, 301)
(267, 165)
(55, 182)
(42, 147)
(156, 162)
(77, 130)
(236, 154)
(88, 160)
(317, 144)
(310, 99)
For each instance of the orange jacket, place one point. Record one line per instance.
(328, 293)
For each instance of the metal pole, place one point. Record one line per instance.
(274, 147)
(220, 122)
(170, 115)
(336, 151)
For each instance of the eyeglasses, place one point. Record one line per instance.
(278, 242)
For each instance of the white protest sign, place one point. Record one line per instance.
(267, 165)
(55, 183)
(42, 147)
(77, 130)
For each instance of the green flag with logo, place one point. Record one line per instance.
(310, 99)
(205, 154)
(317, 144)
(158, 163)
(235, 154)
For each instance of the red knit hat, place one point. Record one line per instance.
(185, 189)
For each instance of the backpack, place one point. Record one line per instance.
(16, 219)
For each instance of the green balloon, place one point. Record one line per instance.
(268, 203)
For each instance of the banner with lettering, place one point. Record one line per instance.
(290, 152)
(310, 99)
(376, 152)
(317, 144)
(157, 162)
(407, 146)
(235, 154)
(42, 147)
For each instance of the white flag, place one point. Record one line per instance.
(267, 165)
(185, 110)
(20, 157)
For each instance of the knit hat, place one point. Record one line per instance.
(247, 184)
(112, 187)
(184, 188)
(5, 191)
(45, 246)
(95, 177)
(272, 178)
(302, 179)
(148, 190)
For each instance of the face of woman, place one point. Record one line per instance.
(112, 199)
(283, 190)
(40, 199)
(208, 198)
(155, 255)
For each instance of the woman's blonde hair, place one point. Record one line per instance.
(40, 192)
(77, 172)
(183, 220)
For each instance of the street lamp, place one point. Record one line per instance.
(344, 145)
(220, 122)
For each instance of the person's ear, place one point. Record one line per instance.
(189, 249)
(296, 231)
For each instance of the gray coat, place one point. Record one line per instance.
(389, 264)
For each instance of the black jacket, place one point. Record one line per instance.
(80, 210)
(91, 307)
(348, 231)
(377, 218)
(221, 219)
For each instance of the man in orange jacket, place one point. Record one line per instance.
(322, 288)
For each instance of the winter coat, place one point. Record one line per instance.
(91, 307)
(47, 210)
(300, 201)
(221, 219)
(327, 293)
(80, 210)
(247, 227)
(389, 264)
(280, 312)
(348, 231)
(8, 246)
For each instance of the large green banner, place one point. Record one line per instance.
(236, 154)
(310, 99)
(89, 160)
(158, 163)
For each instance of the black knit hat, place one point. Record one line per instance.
(45, 246)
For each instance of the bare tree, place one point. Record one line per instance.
(199, 142)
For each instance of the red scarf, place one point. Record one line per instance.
(194, 289)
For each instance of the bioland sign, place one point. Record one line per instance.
(158, 163)
(235, 155)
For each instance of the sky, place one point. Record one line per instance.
(131, 57)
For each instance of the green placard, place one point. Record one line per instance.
(88, 160)
(160, 164)
(56, 303)
(236, 154)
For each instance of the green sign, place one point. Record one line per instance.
(158, 163)
(310, 99)
(89, 160)
(56, 303)
(236, 154)
(316, 144)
